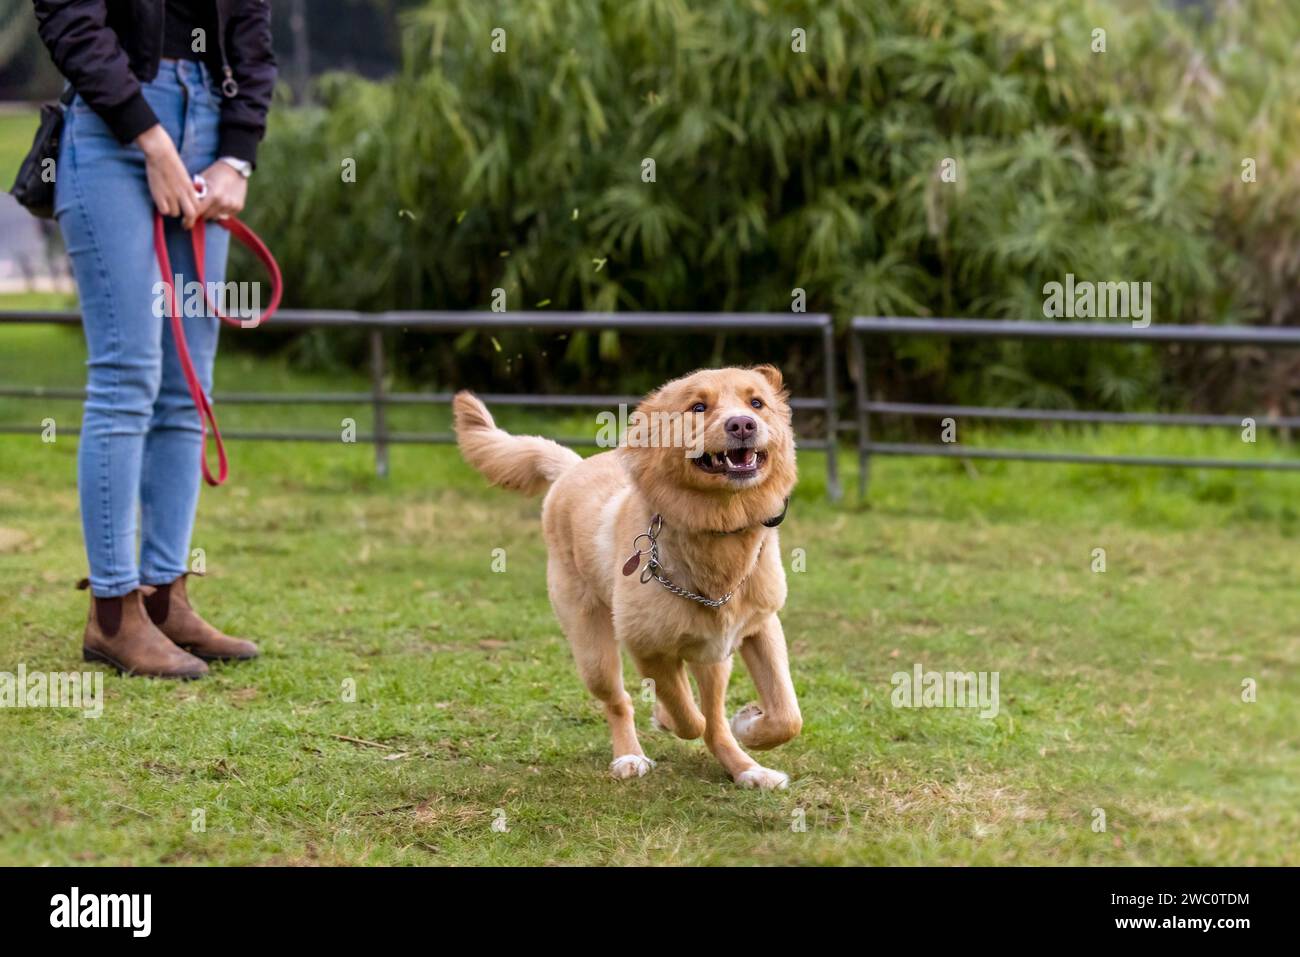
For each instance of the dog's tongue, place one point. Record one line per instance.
(740, 458)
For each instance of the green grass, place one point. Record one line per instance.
(1119, 690)
(16, 129)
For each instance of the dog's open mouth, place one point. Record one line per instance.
(736, 463)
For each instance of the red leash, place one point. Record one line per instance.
(198, 236)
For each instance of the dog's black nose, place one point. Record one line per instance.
(741, 427)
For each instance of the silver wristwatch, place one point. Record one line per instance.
(242, 167)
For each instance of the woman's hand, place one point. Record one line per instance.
(169, 182)
(227, 190)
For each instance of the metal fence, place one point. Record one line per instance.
(380, 399)
(863, 327)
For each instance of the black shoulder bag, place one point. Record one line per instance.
(34, 186)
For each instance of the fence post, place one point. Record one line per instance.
(832, 413)
(379, 400)
(859, 373)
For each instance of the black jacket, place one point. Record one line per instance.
(107, 48)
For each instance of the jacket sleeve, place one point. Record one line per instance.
(248, 45)
(88, 54)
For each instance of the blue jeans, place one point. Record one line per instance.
(140, 438)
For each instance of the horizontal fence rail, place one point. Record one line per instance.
(380, 399)
(863, 327)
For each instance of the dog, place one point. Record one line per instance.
(645, 540)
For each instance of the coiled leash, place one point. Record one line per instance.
(652, 568)
(198, 237)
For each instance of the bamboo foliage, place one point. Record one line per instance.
(523, 170)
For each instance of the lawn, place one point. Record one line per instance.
(1120, 690)
(17, 124)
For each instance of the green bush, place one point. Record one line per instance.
(817, 170)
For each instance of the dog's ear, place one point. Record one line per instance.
(772, 374)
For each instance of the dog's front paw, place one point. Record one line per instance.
(630, 766)
(763, 778)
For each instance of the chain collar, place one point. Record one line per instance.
(652, 568)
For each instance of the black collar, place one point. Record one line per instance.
(774, 522)
(767, 523)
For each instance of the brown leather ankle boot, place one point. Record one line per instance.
(169, 607)
(120, 634)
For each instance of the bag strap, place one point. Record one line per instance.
(198, 238)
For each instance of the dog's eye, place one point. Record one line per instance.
(699, 407)
(756, 403)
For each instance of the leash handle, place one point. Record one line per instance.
(202, 404)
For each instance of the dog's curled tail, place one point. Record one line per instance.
(523, 463)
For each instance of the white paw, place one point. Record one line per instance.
(745, 719)
(763, 778)
(630, 766)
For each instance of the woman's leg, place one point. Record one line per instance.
(106, 213)
(170, 478)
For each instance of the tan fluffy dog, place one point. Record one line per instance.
(713, 540)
